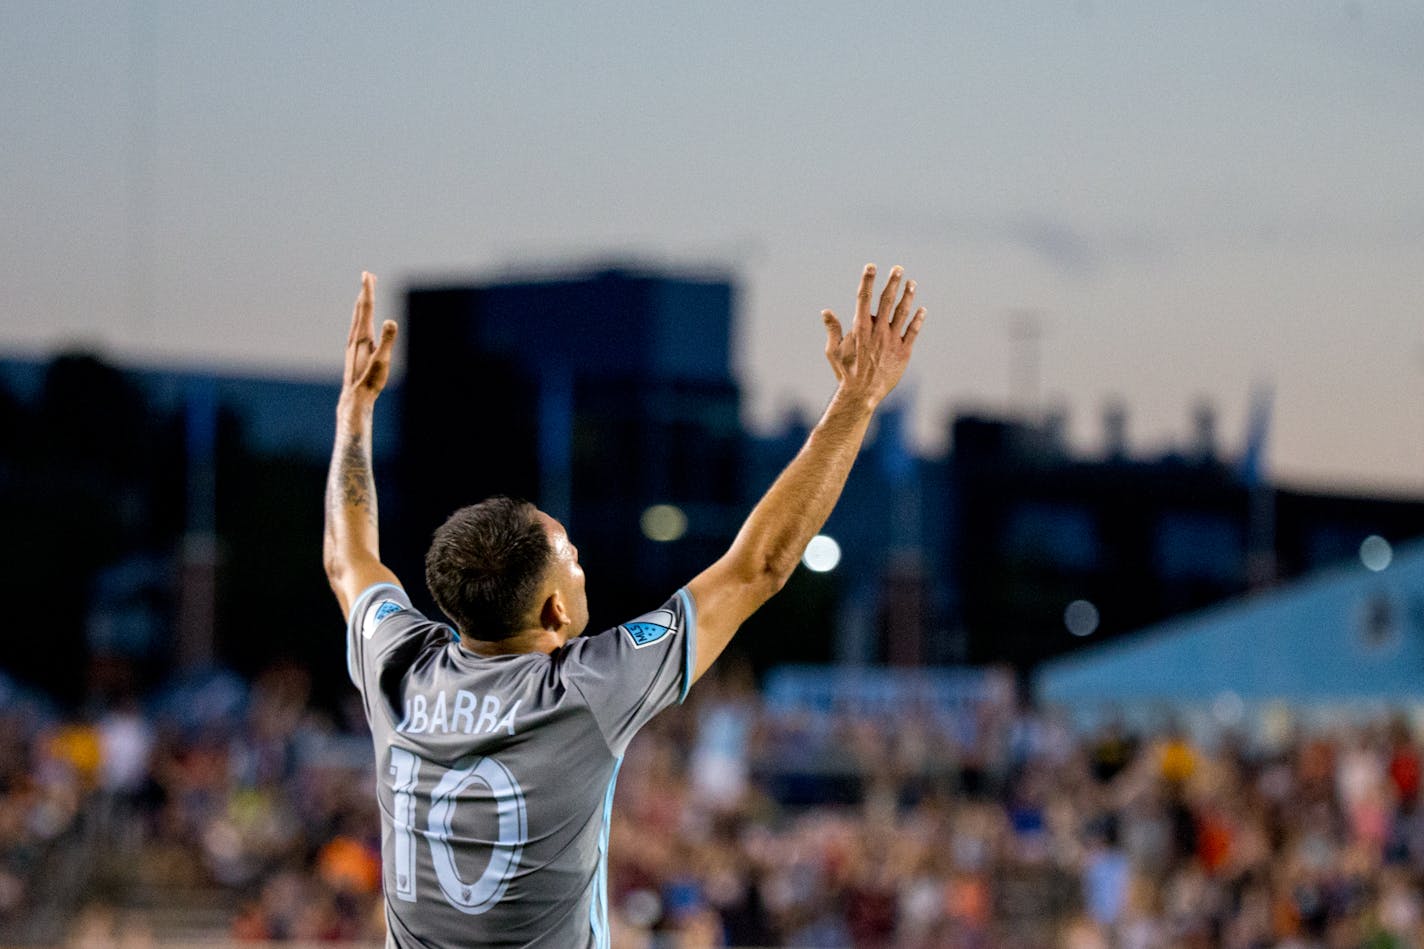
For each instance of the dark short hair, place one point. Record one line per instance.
(485, 564)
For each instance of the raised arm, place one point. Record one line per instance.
(868, 362)
(351, 548)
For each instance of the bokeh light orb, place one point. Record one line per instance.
(663, 523)
(1229, 709)
(1376, 553)
(1081, 618)
(822, 554)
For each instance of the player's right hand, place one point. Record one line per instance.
(368, 362)
(869, 361)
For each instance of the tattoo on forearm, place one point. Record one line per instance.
(352, 482)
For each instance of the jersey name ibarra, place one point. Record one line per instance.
(466, 714)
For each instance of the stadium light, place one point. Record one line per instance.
(1376, 553)
(1081, 618)
(822, 554)
(663, 523)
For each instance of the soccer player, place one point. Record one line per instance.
(498, 740)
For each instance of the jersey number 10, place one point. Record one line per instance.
(479, 896)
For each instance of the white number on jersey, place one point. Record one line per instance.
(510, 811)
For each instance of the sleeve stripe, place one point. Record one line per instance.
(689, 643)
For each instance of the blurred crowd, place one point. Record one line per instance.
(215, 793)
(739, 824)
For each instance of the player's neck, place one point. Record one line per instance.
(529, 640)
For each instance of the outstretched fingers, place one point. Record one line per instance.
(887, 297)
(834, 334)
(362, 324)
(359, 339)
(902, 309)
(862, 300)
(368, 359)
(380, 364)
(913, 329)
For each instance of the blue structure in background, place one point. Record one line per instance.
(1343, 634)
(277, 415)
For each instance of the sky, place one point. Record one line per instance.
(1185, 201)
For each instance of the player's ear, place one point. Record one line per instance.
(554, 614)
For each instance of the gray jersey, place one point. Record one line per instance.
(495, 776)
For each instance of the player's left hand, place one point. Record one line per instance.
(368, 362)
(870, 359)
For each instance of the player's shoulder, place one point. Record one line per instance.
(646, 630)
(378, 601)
(387, 609)
(384, 629)
(629, 672)
(630, 641)
(656, 625)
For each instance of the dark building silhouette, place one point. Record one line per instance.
(594, 395)
(1037, 529)
(163, 519)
